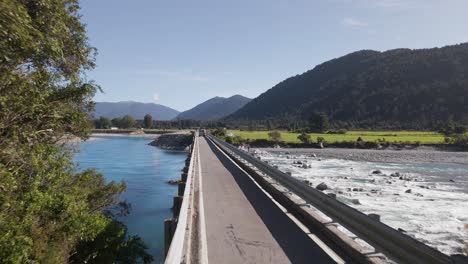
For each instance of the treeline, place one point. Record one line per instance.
(147, 122)
(319, 122)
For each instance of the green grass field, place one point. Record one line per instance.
(389, 136)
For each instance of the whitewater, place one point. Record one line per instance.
(424, 198)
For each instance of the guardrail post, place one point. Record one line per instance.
(177, 205)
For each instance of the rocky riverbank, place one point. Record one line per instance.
(174, 141)
(417, 155)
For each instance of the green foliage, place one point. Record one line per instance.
(116, 121)
(319, 122)
(101, 249)
(341, 131)
(321, 140)
(304, 138)
(219, 132)
(275, 136)
(451, 128)
(102, 123)
(351, 136)
(148, 121)
(460, 140)
(235, 140)
(46, 206)
(127, 122)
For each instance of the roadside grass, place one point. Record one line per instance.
(411, 137)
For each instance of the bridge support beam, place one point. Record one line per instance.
(181, 188)
(169, 230)
(184, 177)
(177, 205)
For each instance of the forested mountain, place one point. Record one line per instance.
(399, 88)
(135, 109)
(215, 108)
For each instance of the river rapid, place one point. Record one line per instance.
(422, 192)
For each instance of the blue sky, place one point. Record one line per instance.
(180, 53)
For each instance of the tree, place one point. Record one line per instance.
(102, 123)
(47, 208)
(219, 132)
(304, 138)
(275, 136)
(460, 129)
(127, 122)
(116, 122)
(319, 122)
(148, 121)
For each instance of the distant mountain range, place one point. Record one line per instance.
(392, 89)
(135, 109)
(215, 108)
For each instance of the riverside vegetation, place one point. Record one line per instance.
(50, 212)
(341, 138)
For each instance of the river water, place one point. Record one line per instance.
(146, 170)
(425, 197)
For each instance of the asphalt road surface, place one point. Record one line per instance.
(242, 224)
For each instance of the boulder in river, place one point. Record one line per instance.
(173, 182)
(377, 172)
(321, 187)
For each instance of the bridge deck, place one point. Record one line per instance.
(242, 224)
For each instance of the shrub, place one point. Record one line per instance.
(275, 136)
(304, 138)
(342, 131)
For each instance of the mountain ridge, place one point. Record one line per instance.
(135, 109)
(215, 108)
(399, 87)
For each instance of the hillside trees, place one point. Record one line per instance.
(319, 122)
(396, 89)
(47, 208)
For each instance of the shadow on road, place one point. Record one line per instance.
(297, 245)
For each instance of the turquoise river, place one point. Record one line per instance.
(146, 169)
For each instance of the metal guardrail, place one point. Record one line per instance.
(394, 244)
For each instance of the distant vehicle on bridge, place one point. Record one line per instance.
(201, 132)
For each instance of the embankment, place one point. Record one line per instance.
(174, 141)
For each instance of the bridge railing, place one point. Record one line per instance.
(178, 247)
(394, 244)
